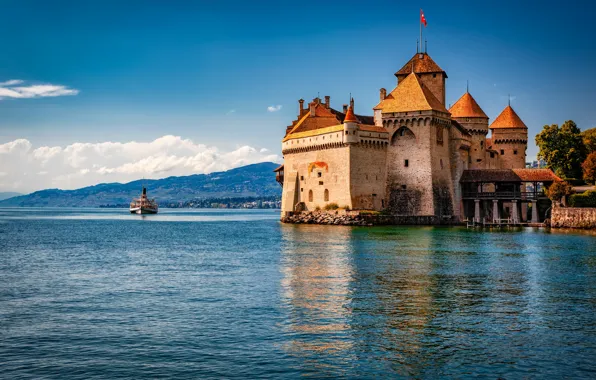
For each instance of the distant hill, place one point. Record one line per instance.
(8, 194)
(257, 180)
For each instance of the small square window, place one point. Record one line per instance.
(319, 174)
(515, 152)
(406, 163)
(302, 178)
(301, 189)
(492, 155)
(403, 187)
(502, 152)
(320, 182)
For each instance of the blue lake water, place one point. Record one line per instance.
(233, 293)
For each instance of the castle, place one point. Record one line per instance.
(412, 157)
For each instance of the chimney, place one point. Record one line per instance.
(327, 101)
(383, 94)
(313, 105)
(301, 107)
(345, 108)
(352, 105)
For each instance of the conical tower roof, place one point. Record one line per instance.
(508, 119)
(466, 106)
(350, 117)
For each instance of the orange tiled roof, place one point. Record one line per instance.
(538, 175)
(466, 106)
(411, 95)
(509, 175)
(423, 63)
(350, 116)
(488, 143)
(371, 128)
(508, 119)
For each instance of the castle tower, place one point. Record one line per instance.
(429, 73)
(351, 126)
(468, 113)
(418, 155)
(510, 139)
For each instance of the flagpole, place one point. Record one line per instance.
(420, 22)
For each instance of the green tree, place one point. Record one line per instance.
(558, 190)
(562, 148)
(589, 137)
(589, 168)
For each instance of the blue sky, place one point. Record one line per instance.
(208, 71)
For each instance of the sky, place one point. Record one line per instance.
(113, 91)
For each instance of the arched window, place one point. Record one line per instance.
(326, 195)
(310, 195)
(404, 133)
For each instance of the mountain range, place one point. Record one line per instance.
(8, 194)
(257, 180)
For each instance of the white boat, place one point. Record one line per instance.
(143, 205)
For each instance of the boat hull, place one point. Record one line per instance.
(143, 210)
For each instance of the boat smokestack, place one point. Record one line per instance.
(144, 191)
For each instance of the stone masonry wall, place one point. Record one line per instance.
(507, 150)
(409, 188)
(569, 217)
(368, 176)
(331, 173)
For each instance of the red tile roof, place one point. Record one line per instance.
(508, 175)
(537, 175)
(372, 128)
(508, 119)
(423, 63)
(411, 95)
(350, 116)
(466, 106)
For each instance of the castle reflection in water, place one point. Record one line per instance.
(425, 299)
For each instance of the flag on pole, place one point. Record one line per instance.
(422, 18)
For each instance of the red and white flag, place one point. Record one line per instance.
(422, 18)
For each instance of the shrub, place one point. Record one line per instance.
(317, 208)
(587, 199)
(346, 207)
(331, 206)
(589, 168)
(558, 190)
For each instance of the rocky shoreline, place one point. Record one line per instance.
(326, 218)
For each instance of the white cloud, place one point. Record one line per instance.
(274, 108)
(28, 168)
(12, 89)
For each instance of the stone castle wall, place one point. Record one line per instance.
(316, 171)
(409, 188)
(368, 175)
(570, 217)
(511, 144)
(478, 128)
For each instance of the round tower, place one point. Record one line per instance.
(351, 126)
(468, 113)
(510, 139)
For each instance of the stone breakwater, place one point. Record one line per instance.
(355, 218)
(342, 219)
(570, 217)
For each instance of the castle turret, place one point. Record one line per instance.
(510, 139)
(468, 113)
(350, 126)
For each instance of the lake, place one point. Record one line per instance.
(100, 293)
